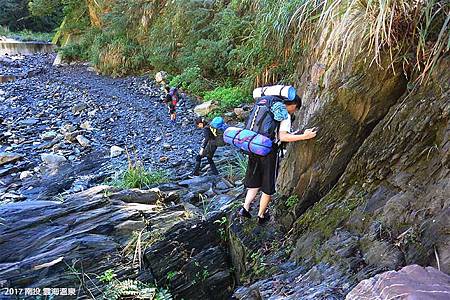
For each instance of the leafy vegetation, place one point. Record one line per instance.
(228, 97)
(107, 276)
(191, 79)
(291, 201)
(19, 15)
(262, 41)
(213, 45)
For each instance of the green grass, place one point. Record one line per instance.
(26, 35)
(236, 168)
(136, 176)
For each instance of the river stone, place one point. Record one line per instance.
(30, 121)
(411, 282)
(49, 135)
(25, 174)
(79, 107)
(53, 160)
(6, 158)
(86, 125)
(83, 141)
(196, 181)
(72, 136)
(58, 60)
(67, 128)
(116, 151)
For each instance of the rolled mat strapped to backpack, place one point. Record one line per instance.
(248, 141)
(285, 91)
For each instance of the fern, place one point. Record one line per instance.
(118, 289)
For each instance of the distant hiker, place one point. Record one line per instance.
(171, 100)
(207, 148)
(176, 96)
(273, 113)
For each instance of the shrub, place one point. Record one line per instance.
(191, 80)
(228, 97)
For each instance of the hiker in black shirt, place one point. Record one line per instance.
(208, 147)
(171, 100)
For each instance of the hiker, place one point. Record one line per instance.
(171, 100)
(208, 147)
(262, 170)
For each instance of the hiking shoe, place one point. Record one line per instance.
(262, 221)
(194, 174)
(244, 213)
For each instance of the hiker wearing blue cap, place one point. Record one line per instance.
(207, 148)
(271, 117)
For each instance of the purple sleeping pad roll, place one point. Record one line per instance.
(248, 141)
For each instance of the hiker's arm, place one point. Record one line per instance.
(206, 138)
(287, 137)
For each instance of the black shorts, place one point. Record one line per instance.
(262, 172)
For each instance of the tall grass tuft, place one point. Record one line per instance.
(414, 33)
(137, 176)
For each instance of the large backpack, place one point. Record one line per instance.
(259, 134)
(261, 119)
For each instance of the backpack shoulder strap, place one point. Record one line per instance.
(213, 131)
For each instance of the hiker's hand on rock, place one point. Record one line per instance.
(310, 133)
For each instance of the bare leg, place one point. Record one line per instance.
(251, 194)
(263, 203)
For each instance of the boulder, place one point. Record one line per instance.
(53, 160)
(116, 151)
(84, 142)
(411, 282)
(198, 265)
(160, 76)
(204, 108)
